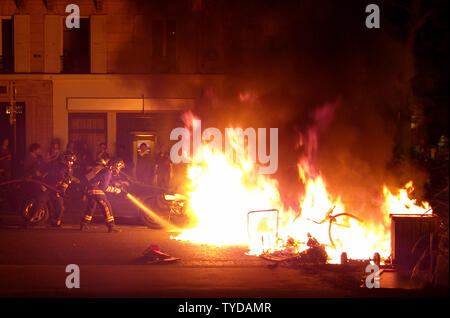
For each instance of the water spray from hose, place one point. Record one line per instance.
(152, 214)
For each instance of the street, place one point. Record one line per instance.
(33, 264)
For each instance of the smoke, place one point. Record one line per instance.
(324, 77)
(285, 60)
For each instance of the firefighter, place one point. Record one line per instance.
(36, 169)
(60, 176)
(96, 188)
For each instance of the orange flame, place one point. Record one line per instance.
(402, 203)
(222, 192)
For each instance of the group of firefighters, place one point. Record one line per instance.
(49, 179)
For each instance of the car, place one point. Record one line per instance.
(168, 206)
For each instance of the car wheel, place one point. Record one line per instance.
(36, 217)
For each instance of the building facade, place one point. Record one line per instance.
(123, 77)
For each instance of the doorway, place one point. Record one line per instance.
(16, 135)
(88, 128)
(133, 130)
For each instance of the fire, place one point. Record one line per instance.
(222, 192)
(220, 196)
(339, 229)
(403, 204)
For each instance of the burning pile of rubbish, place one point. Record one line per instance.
(319, 230)
(313, 255)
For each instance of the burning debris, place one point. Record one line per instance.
(292, 253)
(315, 254)
(332, 219)
(221, 191)
(153, 256)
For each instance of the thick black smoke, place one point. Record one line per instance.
(285, 59)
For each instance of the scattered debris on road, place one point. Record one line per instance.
(153, 255)
(314, 254)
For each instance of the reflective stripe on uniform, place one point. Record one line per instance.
(88, 217)
(96, 191)
(108, 214)
(105, 206)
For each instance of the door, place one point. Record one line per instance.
(16, 136)
(90, 128)
(138, 139)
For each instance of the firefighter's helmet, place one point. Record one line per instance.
(116, 165)
(68, 159)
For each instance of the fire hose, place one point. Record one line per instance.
(127, 194)
(147, 210)
(32, 181)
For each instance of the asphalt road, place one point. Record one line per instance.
(33, 264)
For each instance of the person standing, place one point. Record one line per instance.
(103, 154)
(84, 158)
(144, 164)
(5, 160)
(70, 148)
(163, 168)
(35, 166)
(55, 152)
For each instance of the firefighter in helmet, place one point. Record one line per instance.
(98, 184)
(59, 176)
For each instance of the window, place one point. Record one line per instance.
(6, 46)
(88, 128)
(171, 32)
(76, 48)
(164, 46)
(157, 39)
